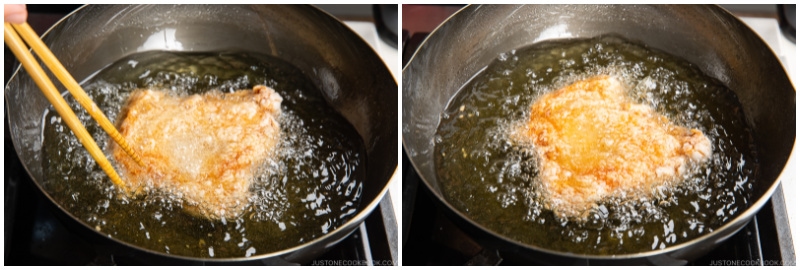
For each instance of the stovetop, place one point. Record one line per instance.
(37, 234)
(430, 238)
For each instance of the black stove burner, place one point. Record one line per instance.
(430, 238)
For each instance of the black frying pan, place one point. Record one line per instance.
(351, 76)
(722, 46)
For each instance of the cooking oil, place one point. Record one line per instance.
(309, 188)
(491, 177)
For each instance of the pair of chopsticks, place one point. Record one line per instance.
(12, 39)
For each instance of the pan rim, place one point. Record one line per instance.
(731, 226)
(342, 231)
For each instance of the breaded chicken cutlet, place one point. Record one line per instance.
(203, 148)
(594, 143)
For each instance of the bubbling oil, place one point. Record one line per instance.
(308, 188)
(492, 178)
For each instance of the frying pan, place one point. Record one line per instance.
(707, 36)
(351, 76)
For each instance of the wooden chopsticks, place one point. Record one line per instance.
(12, 39)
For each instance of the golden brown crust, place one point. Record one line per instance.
(594, 143)
(203, 148)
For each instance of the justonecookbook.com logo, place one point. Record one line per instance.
(749, 262)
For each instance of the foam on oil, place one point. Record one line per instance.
(308, 188)
(492, 178)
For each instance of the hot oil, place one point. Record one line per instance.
(309, 188)
(491, 177)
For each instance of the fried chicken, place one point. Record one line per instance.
(594, 143)
(203, 148)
